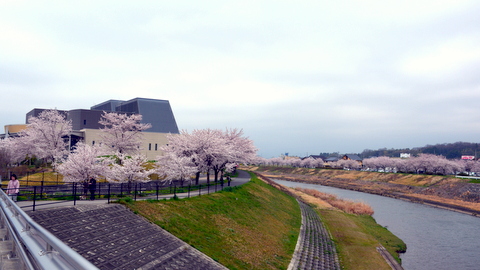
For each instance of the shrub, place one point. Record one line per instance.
(347, 206)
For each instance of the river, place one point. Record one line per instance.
(436, 238)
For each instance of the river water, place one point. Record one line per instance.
(436, 238)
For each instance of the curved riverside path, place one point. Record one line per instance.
(112, 237)
(315, 248)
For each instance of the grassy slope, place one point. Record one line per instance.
(253, 227)
(396, 178)
(357, 237)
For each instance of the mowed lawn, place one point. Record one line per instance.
(254, 226)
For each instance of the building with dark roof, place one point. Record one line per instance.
(154, 111)
(86, 126)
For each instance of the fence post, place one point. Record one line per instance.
(189, 186)
(74, 187)
(34, 196)
(135, 192)
(43, 177)
(108, 193)
(157, 189)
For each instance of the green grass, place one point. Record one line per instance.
(356, 238)
(254, 226)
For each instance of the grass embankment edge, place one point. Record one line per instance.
(356, 236)
(253, 226)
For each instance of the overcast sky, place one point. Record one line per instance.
(299, 77)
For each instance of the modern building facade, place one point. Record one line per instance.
(86, 126)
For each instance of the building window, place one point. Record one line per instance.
(149, 147)
(93, 142)
(84, 122)
(156, 147)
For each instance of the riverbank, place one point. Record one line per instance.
(440, 191)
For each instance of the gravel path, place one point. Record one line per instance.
(315, 248)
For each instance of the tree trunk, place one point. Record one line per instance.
(197, 178)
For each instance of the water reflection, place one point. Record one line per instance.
(436, 238)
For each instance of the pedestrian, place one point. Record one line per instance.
(85, 190)
(92, 186)
(13, 187)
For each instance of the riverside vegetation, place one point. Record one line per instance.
(444, 191)
(256, 226)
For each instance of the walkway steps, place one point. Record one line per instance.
(112, 237)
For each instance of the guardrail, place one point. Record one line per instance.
(468, 177)
(36, 247)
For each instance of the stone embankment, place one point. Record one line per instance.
(315, 248)
(113, 237)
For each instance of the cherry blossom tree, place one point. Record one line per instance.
(476, 167)
(182, 145)
(276, 161)
(309, 163)
(348, 164)
(83, 163)
(382, 163)
(174, 167)
(45, 135)
(238, 149)
(122, 133)
(9, 152)
(130, 170)
(211, 149)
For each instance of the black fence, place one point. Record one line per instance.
(51, 193)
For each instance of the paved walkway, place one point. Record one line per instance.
(241, 179)
(315, 248)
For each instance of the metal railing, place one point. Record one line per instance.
(35, 246)
(74, 192)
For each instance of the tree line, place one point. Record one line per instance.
(423, 163)
(448, 150)
(117, 156)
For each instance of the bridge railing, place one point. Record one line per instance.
(35, 246)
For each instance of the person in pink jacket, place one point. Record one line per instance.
(13, 187)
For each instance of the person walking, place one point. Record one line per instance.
(13, 187)
(92, 186)
(85, 189)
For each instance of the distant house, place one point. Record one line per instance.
(331, 159)
(316, 157)
(352, 157)
(290, 157)
(404, 155)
